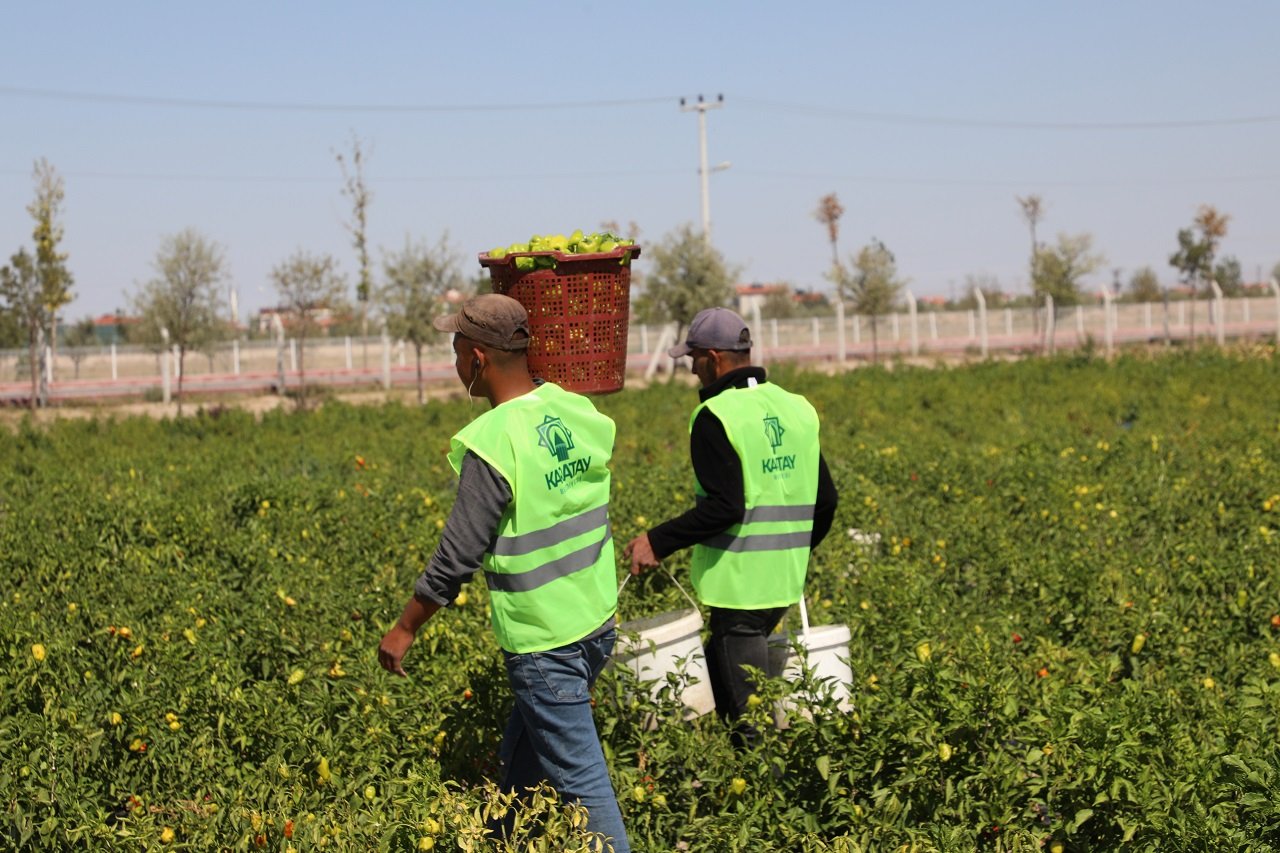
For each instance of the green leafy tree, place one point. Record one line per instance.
(779, 304)
(307, 284)
(1229, 276)
(1060, 268)
(1197, 246)
(183, 297)
(50, 261)
(1144, 286)
(10, 333)
(871, 285)
(686, 275)
(418, 279)
(24, 304)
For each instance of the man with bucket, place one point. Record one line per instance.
(532, 514)
(765, 498)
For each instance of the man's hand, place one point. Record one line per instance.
(398, 640)
(641, 553)
(392, 648)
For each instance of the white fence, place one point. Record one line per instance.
(273, 365)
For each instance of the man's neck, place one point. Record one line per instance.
(509, 388)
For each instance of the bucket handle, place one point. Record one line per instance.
(668, 573)
(804, 618)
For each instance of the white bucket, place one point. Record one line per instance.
(826, 648)
(665, 644)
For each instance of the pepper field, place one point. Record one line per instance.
(1065, 639)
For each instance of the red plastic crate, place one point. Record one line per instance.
(578, 315)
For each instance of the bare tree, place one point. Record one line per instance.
(357, 192)
(79, 339)
(828, 213)
(1032, 207)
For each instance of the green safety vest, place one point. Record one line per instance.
(550, 571)
(761, 561)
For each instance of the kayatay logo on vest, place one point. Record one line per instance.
(773, 430)
(558, 440)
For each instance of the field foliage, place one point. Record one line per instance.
(1065, 637)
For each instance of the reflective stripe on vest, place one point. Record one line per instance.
(574, 561)
(734, 540)
(550, 571)
(761, 561)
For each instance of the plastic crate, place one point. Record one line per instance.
(578, 315)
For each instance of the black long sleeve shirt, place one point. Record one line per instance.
(719, 470)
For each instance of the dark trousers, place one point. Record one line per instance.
(738, 638)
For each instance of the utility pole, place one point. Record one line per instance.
(701, 108)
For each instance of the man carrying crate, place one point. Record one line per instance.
(532, 514)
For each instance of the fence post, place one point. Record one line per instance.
(982, 320)
(1050, 323)
(757, 340)
(644, 339)
(933, 326)
(386, 359)
(973, 324)
(235, 356)
(841, 353)
(1275, 290)
(278, 328)
(1008, 322)
(913, 334)
(1108, 326)
(164, 365)
(817, 337)
(348, 347)
(1146, 311)
(1219, 321)
(115, 374)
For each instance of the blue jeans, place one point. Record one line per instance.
(551, 735)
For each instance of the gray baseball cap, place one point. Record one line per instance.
(714, 328)
(490, 318)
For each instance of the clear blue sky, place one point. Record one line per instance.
(927, 119)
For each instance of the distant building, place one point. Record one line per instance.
(113, 328)
(752, 296)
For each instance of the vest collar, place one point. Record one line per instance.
(736, 378)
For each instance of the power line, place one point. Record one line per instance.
(1004, 182)
(294, 106)
(1003, 124)
(762, 104)
(311, 179)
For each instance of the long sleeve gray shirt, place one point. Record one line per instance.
(472, 527)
